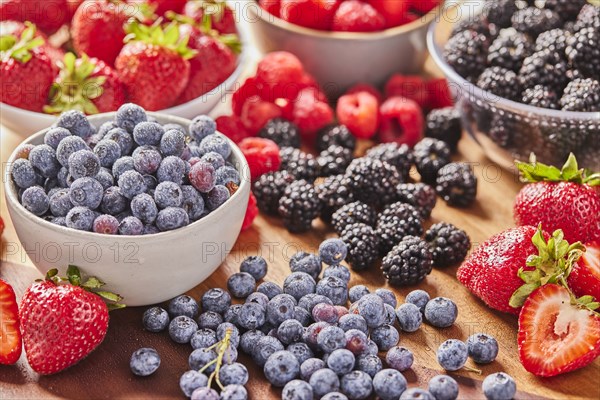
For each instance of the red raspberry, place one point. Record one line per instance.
(1, 226)
(401, 121)
(286, 106)
(273, 7)
(360, 113)
(251, 87)
(256, 113)
(365, 87)
(357, 16)
(311, 113)
(251, 212)
(394, 11)
(439, 93)
(409, 86)
(232, 127)
(424, 6)
(316, 14)
(262, 155)
(280, 72)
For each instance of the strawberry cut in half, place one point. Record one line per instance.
(585, 276)
(10, 331)
(555, 336)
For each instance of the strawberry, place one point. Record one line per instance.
(401, 121)
(98, 30)
(154, 65)
(556, 336)
(423, 6)
(87, 85)
(16, 28)
(10, 332)
(47, 15)
(161, 7)
(394, 11)
(1, 225)
(360, 113)
(26, 71)
(221, 16)
(316, 14)
(63, 323)
(567, 199)
(273, 7)
(72, 6)
(585, 276)
(357, 16)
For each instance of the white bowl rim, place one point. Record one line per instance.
(12, 197)
(502, 103)
(423, 20)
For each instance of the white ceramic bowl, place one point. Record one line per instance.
(144, 269)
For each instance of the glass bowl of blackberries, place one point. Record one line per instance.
(525, 76)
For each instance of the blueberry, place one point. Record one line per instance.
(334, 396)
(281, 367)
(299, 284)
(356, 385)
(121, 166)
(68, 146)
(172, 169)
(264, 348)
(182, 328)
(144, 361)
(297, 390)
(338, 271)
(86, 192)
(59, 203)
(35, 200)
(63, 178)
(249, 339)
(390, 315)
(122, 138)
(172, 142)
(234, 392)
(324, 381)
(148, 133)
(75, 122)
(452, 354)
(226, 175)
(201, 127)
(301, 351)
(270, 289)
(499, 386)
(389, 384)
(104, 176)
(357, 292)
(192, 202)
(241, 284)
(353, 321)
(399, 358)
(155, 319)
(341, 361)
(83, 163)
(331, 338)
(183, 305)
(255, 266)
(306, 262)
(195, 151)
(23, 173)
(441, 312)
(309, 366)
(369, 363)
(192, 380)
(216, 299)
(311, 334)
(202, 176)
(150, 230)
(309, 301)
(201, 358)
(371, 308)
(333, 251)
(232, 314)
(171, 218)
(129, 115)
(43, 157)
(217, 143)
(168, 194)
(105, 127)
(233, 374)
(130, 226)
(416, 393)
(203, 338)
(385, 337)
(302, 315)
(216, 197)
(80, 218)
(131, 184)
(258, 298)
(215, 159)
(54, 135)
(107, 151)
(409, 317)
(144, 208)
(227, 328)
(146, 159)
(334, 288)
(419, 298)
(204, 393)
(325, 312)
(252, 316)
(443, 387)
(61, 221)
(483, 348)
(290, 331)
(210, 320)
(280, 308)
(113, 202)
(174, 126)
(387, 296)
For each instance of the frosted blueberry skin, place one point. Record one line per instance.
(389, 384)
(43, 158)
(192, 380)
(356, 385)
(35, 200)
(441, 312)
(182, 328)
(54, 135)
(296, 390)
(499, 386)
(306, 262)
(324, 381)
(123, 139)
(172, 142)
(148, 133)
(217, 197)
(59, 203)
(76, 122)
(409, 317)
(144, 361)
(369, 363)
(203, 338)
(144, 208)
(80, 218)
(233, 374)
(452, 354)
(483, 348)
(399, 358)
(281, 367)
(443, 387)
(183, 305)
(86, 192)
(23, 173)
(255, 266)
(68, 146)
(155, 319)
(83, 163)
(416, 393)
(201, 127)
(333, 251)
(171, 218)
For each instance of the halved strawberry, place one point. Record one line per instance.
(585, 276)
(10, 331)
(555, 336)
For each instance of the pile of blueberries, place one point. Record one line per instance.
(131, 176)
(308, 342)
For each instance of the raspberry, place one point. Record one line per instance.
(359, 113)
(311, 114)
(256, 113)
(251, 87)
(251, 212)
(262, 155)
(232, 127)
(394, 11)
(273, 7)
(365, 87)
(408, 86)
(279, 71)
(316, 14)
(401, 121)
(424, 6)
(439, 93)
(357, 16)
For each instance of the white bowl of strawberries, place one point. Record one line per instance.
(180, 61)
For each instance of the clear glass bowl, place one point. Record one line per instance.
(508, 130)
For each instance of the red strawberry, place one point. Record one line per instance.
(556, 336)
(98, 28)
(161, 7)
(47, 15)
(316, 14)
(72, 6)
(256, 113)
(251, 213)
(408, 86)
(87, 85)
(357, 16)
(401, 121)
(360, 113)
(154, 65)
(311, 113)
(1, 225)
(222, 17)
(394, 11)
(232, 127)
(423, 6)
(16, 28)
(62, 323)
(273, 7)
(26, 71)
(567, 199)
(10, 332)
(585, 276)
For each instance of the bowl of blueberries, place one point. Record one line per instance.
(150, 203)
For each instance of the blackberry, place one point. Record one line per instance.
(444, 124)
(540, 96)
(398, 155)
(334, 160)
(372, 181)
(335, 134)
(353, 213)
(430, 156)
(363, 245)
(419, 195)
(282, 132)
(478, 23)
(568, 10)
(509, 49)
(502, 131)
(333, 193)
(299, 205)
(395, 222)
(583, 52)
(269, 188)
(589, 17)
(467, 53)
(298, 163)
(533, 21)
(500, 12)
(565, 138)
(501, 82)
(449, 245)
(552, 40)
(581, 95)
(457, 184)
(408, 263)
(547, 68)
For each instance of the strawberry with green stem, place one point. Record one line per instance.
(221, 16)
(220, 348)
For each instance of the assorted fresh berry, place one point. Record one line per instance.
(10, 331)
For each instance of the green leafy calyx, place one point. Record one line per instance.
(20, 48)
(155, 34)
(570, 172)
